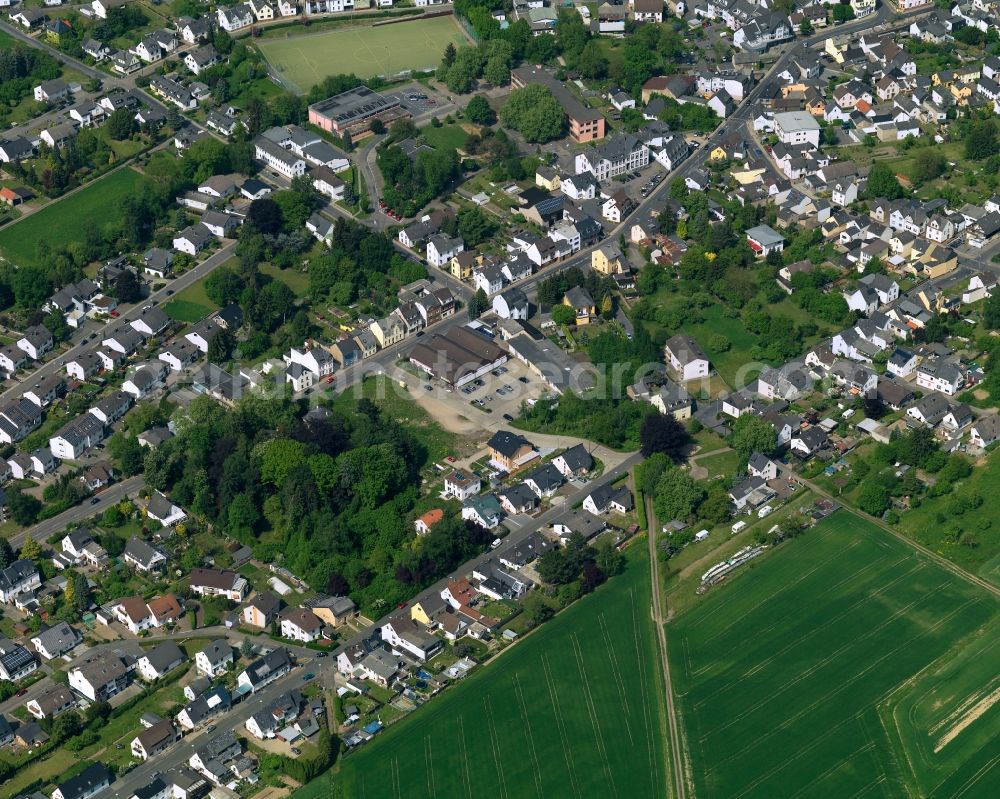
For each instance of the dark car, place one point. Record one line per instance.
(508, 417)
(95, 500)
(523, 380)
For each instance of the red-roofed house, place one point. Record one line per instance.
(428, 520)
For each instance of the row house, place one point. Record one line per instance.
(617, 156)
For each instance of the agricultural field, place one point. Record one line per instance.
(63, 221)
(304, 60)
(845, 664)
(575, 710)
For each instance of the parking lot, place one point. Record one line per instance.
(417, 100)
(498, 394)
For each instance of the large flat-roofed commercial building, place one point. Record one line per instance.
(354, 111)
(458, 356)
(585, 124)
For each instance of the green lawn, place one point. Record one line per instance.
(923, 523)
(190, 305)
(725, 463)
(398, 404)
(446, 137)
(186, 311)
(295, 279)
(729, 363)
(575, 710)
(844, 664)
(63, 221)
(303, 60)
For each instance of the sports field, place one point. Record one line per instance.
(64, 221)
(575, 710)
(842, 665)
(303, 61)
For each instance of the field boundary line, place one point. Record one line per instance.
(868, 787)
(954, 568)
(814, 630)
(969, 783)
(619, 682)
(780, 593)
(592, 712)
(495, 746)
(560, 725)
(849, 578)
(531, 738)
(843, 686)
(678, 753)
(644, 694)
(429, 760)
(889, 706)
(465, 755)
(826, 660)
(867, 747)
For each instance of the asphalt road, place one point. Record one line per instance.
(80, 339)
(514, 537)
(110, 495)
(181, 751)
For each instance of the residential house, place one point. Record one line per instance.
(518, 498)
(56, 641)
(579, 299)
(154, 740)
(510, 451)
(275, 716)
(133, 613)
(51, 701)
(985, 431)
(403, 635)
(142, 556)
(16, 662)
(484, 510)
(91, 781)
(214, 659)
(686, 357)
(20, 577)
(262, 610)
(265, 670)
(545, 481)
(332, 610)
(99, 676)
(606, 498)
(574, 462)
(940, 375)
(203, 707)
(762, 466)
(300, 624)
(219, 582)
(160, 660)
(162, 510)
(764, 240)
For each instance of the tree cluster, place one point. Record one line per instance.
(535, 113)
(580, 563)
(410, 185)
(332, 498)
(360, 265)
